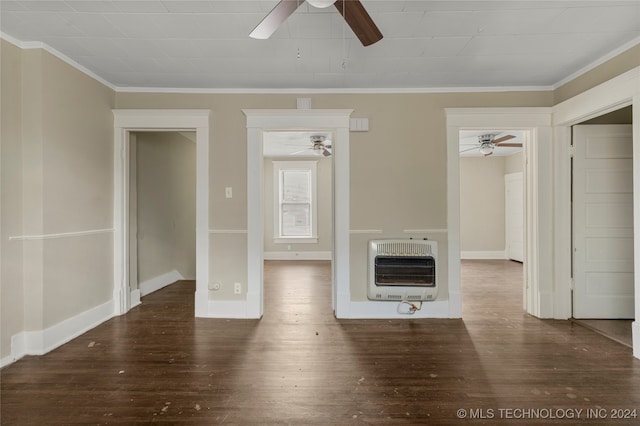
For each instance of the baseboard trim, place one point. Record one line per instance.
(161, 281)
(233, 309)
(43, 341)
(297, 255)
(135, 298)
(484, 255)
(389, 310)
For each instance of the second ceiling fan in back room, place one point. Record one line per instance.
(488, 142)
(352, 10)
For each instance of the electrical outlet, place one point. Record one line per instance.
(237, 288)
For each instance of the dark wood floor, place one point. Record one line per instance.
(617, 329)
(301, 366)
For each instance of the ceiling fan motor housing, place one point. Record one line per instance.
(488, 138)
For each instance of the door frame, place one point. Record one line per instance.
(259, 121)
(126, 121)
(537, 152)
(619, 92)
(509, 178)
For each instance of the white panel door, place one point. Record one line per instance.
(514, 215)
(603, 222)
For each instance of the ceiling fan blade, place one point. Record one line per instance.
(469, 149)
(359, 20)
(301, 151)
(502, 139)
(275, 18)
(326, 152)
(510, 145)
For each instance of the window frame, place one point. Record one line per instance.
(310, 166)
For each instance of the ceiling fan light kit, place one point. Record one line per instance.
(352, 11)
(321, 4)
(486, 148)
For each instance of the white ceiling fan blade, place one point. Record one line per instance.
(275, 18)
(469, 149)
(301, 151)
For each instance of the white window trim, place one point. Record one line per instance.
(278, 166)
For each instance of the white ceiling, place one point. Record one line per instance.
(427, 44)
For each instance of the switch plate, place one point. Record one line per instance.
(237, 288)
(228, 192)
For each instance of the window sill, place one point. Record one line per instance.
(296, 240)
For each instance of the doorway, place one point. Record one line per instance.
(125, 123)
(336, 122)
(162, 198)
(603, 238)
(492, 205)
(298, 175)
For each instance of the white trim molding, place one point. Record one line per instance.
(42, 341)
(297, 255)
(483, 255)
(538, 259)
(424, 231)
(259, 121)
(159, 282)
(227, 231)
(131, 120)
(61, 235)
(619, 92)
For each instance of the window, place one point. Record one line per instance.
(295, 203)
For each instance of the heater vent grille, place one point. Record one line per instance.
(404, 248)
(402, 270)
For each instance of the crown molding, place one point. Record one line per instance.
(597, 62)
(372, 90)
(39, 45)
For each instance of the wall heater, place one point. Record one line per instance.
(402, 270)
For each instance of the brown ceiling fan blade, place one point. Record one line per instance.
(510, 145)
(275, 18)
(502, 139)
(359, 20)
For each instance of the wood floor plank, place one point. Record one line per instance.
(299, 365)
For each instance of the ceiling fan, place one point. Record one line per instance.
(352, 10)
(320, 146)
(488, 142)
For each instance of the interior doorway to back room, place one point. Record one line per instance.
(162, 203)
(298, 207)
(492, 218)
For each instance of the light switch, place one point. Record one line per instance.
(228, 192)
